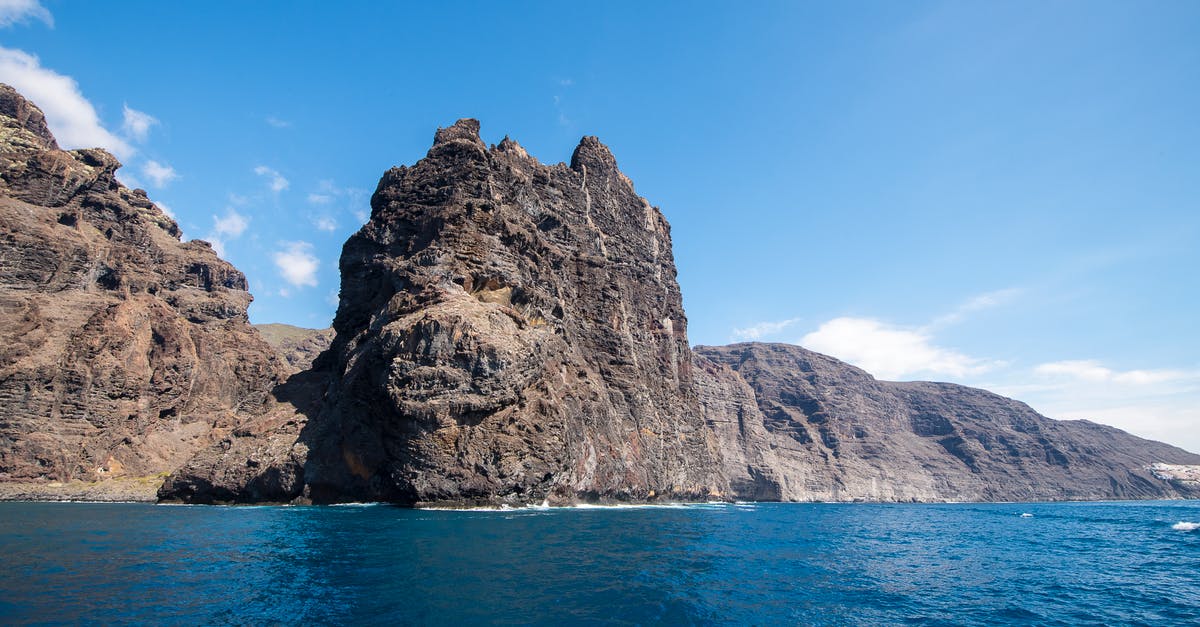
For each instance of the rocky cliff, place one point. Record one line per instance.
(122, 350)
(811, 428)
(510, 331)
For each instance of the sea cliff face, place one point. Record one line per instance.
(508, 332)
(122, 350)
(835, 433)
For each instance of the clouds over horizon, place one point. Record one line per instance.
(1160, 404)
(1156, 403)
(890, 352)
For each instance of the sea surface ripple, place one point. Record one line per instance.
(1132, 563)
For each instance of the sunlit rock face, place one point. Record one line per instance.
(122, 350)
(510, 332)
(832, 432)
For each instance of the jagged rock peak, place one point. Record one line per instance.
(27, 115)
(509, 145)
(593, 155)
(466, 129)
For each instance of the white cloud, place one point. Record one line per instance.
(231, 225)
(362, 216)
(277, 182)
(70, 116)
(160, 174)
(167, 210)
(889, 352)
(980, 302)
(1161, 404)
(20, 11)
(296, 263)
(325, 223)
(320, 199)
(277, 123)
(137, 124)
(218, 245)
(763, 329)
(1093, 371)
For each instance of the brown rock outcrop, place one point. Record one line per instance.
(122, 350)
(510, 332)
(838, 434)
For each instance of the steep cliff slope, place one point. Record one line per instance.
(122, 350)
(834, 433)
(510, 332)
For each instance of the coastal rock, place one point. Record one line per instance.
(838, 434)
(123, 351)
(509, 332)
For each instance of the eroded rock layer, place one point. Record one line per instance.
(122, 350)
(510, 331)
(834, 433)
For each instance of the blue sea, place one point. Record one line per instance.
(784, 564)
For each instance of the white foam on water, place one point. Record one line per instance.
(1184, 525)
(1026, 515)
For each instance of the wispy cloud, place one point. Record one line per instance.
(890, 352)
(296, 264)
(227, 227)
(231, 225)
(763, 329)
(1095, 372)
(325, 223)
(21, 11)
(975, 304)
(137, 124)
(160, 174)
(71, 117)
(1158, 403)
(275, 180)
(328, 194)
(277, 123)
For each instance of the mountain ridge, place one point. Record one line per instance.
(508, 332)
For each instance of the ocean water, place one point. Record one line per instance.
(808, 564)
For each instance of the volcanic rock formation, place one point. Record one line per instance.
(510, 331)
(122, 350)
(834, 433)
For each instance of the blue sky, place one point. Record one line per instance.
(1002, 195)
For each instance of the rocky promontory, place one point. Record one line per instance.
(508, 332)
(123, 351)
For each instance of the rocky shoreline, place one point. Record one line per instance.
(508, 332)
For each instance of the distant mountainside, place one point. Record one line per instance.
(296, 345)
(508, 332)
(811, 428)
